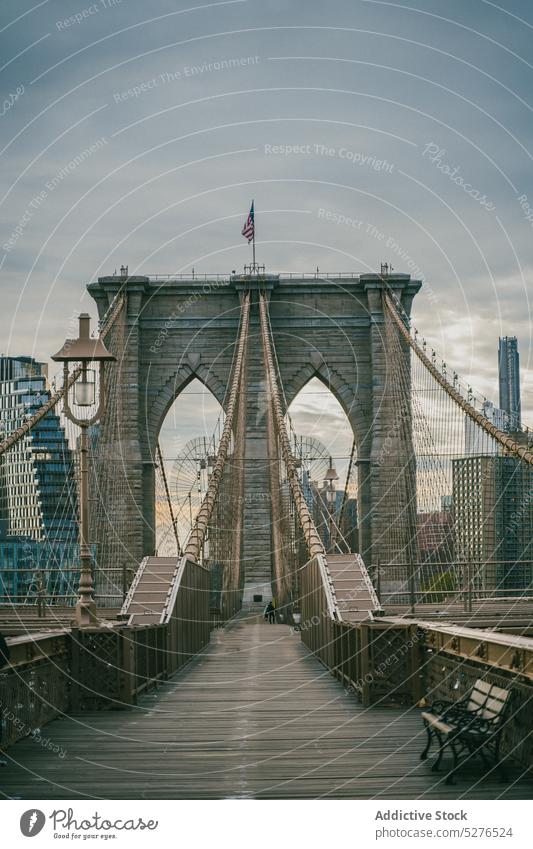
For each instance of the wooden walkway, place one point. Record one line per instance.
(254, 716)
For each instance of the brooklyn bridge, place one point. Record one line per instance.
(389, 667)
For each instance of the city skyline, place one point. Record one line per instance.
(266, 514)
(135, 147)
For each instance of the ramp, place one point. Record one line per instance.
(356, 597)
(146, 601)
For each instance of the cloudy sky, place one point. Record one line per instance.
(413, 120)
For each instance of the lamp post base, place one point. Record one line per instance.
(85, 614)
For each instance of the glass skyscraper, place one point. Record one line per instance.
(38, 491)
(509, 377)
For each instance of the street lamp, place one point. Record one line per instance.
(84, 351)
(331, 495)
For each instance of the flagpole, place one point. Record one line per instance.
(253, 238)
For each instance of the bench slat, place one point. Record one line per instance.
(499, 693)
(461, 720)
(437, 723)
(487, 700)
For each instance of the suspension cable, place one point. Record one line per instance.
(21, 431)
(314, 543)
(197, 536)
(311, 534)
(173, 518)
(500, 436)
(348, 475)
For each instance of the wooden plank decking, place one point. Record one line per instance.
(254, 716)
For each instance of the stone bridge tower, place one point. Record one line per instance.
(178, 329)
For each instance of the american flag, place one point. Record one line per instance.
(249, 228)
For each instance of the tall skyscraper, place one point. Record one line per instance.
(38, 492)
(493, 526)
(37, 483)
(509, 377)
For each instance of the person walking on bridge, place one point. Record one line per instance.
(270, 613)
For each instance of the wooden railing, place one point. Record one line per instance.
(80, 669)
(189, 619)
(150, 657)
(378, 661)
(319, 610)
(393, 660)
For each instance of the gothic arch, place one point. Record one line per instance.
(338, 387)
(170, 390)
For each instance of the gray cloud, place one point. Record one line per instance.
(374, 79)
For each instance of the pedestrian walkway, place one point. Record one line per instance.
(254, 716)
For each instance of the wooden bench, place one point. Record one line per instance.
(473, 725)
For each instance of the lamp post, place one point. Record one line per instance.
(331, 495)
(84, 351)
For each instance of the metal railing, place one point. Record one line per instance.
(66, 670)
(394, 660)
(43, 601)
(451, 659)
(191, 276)
(34, 686)
(407, 584)
(318, 275)
(375, 661)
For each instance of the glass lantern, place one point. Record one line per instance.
(85, 388)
